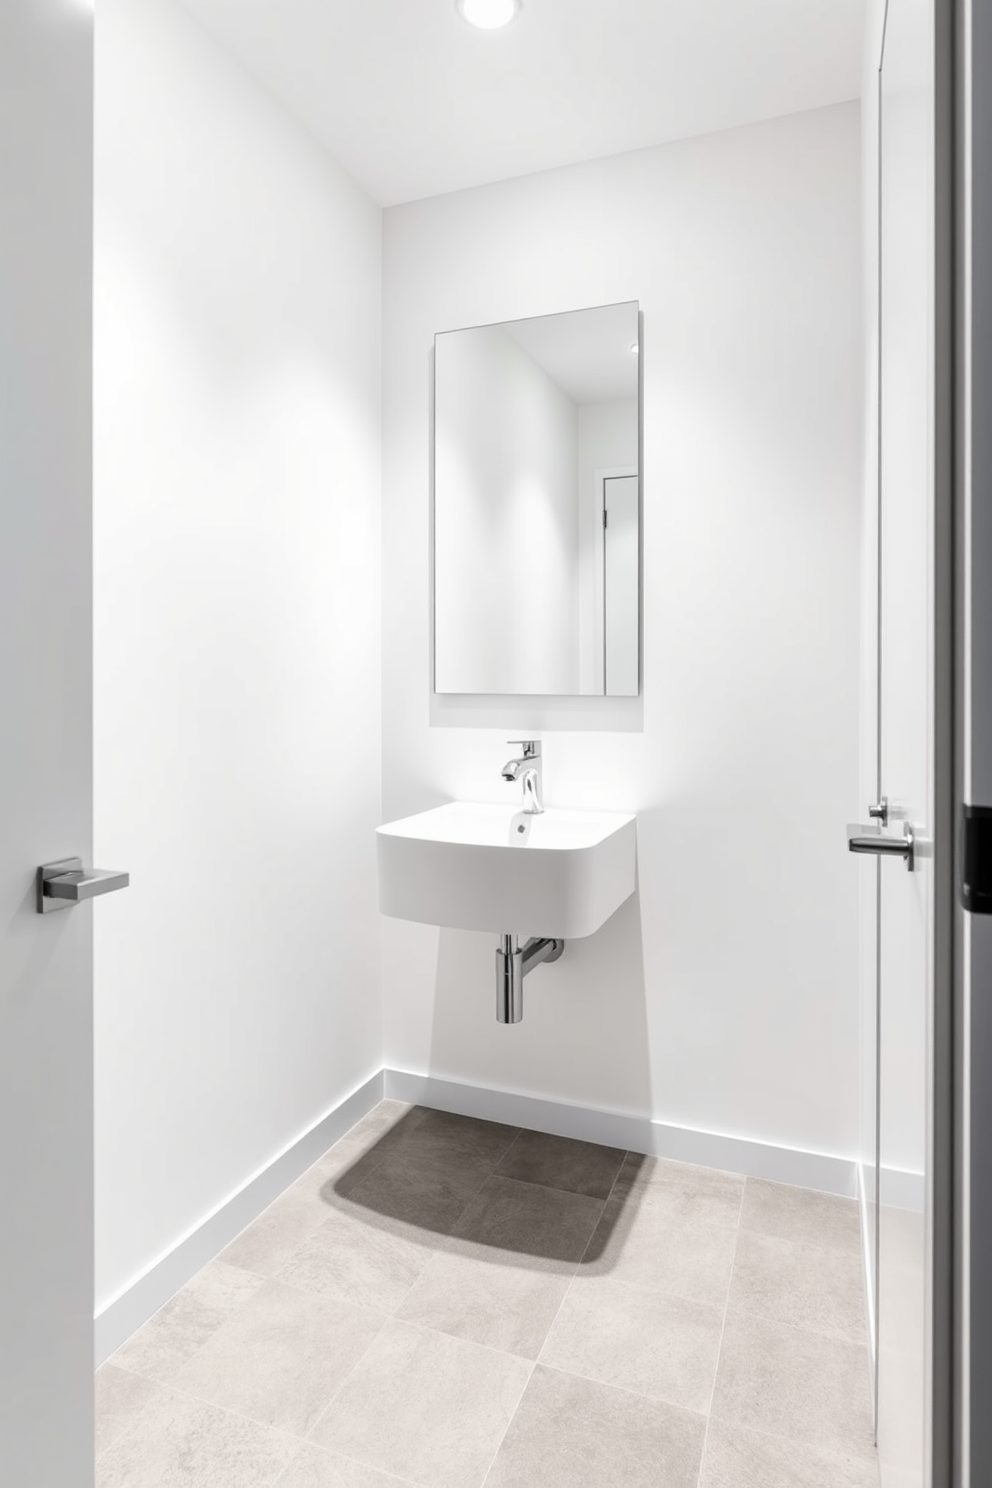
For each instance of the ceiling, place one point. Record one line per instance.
(587, 353)
(413, 102)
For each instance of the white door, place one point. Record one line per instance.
(905, 731)
(621, 585)
(46, 1062)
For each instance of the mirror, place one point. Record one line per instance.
(537, 505)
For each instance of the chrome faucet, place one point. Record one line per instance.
(527, 769)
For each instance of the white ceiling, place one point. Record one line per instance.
(585, 352)
(413, 102)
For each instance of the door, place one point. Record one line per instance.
(621, 591)
(46, 1115)
(905, 734)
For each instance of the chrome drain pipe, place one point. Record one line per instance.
(512, 965)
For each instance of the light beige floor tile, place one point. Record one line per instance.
(711, 1184)
(313, 1467)
(360, 1258)
(120, 1399)
(270, 1240)
(802, 1284)
(735, 1458)
(183, 1443)
(576, 1433)
(658, 1345)
(789, 1382)
(491, 1298)
(426, 1407)
(800, 1214)
(671, 1240)
(180, 1328)
(558, 1162)
(281, 1357)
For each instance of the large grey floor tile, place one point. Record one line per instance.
(503, 1276)
(425, 1406)
(313, 1467)
(658, 1345)
(425, 1192)
(441, 1135)
(359, 1257)
(800, 1214)
(268, 1242)
(559, 1162)
(576, 1433)
(699, 1185)
(183, 1443)
(736, 1458)
(180, 1328)
(790, 1382)
(798, 1283)
(670, 1239)
(120, 1399)
(281, 1357)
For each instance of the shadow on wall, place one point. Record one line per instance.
(584, 1035)
(508, 1194)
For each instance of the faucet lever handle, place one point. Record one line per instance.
(531, 747)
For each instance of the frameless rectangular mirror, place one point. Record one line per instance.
(537, 505)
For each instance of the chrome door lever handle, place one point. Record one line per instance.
(867, 839)
(63, 884)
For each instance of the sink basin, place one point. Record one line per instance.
(473, 866)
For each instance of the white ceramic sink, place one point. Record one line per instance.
(480, 867)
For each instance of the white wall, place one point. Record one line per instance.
(506, 520)
(236, 631)
(46, 972)
(724, 996)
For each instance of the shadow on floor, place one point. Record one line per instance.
(521, 1193)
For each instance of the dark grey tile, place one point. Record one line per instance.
(528, 1220)
(423, 1190)
(575, 1433)
(559, 1162)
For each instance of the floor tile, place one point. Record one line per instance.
(360, 1258)
(800, 1214)
(313, 1467)
(558, 1162)
(503, 1276)
(425, 1407)
(670, 1240)
(184, 1443)
(281, 1357)
(120, 1399)
(735, 1458)
(576, 1433)
(442, 1134)
(658, 1345)
(639, 1172)
(789, 1382)
(490, 1298)
(806, 1285)
(180, 1328)
(422, 1190)
(268, 1242)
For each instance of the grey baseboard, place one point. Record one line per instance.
(829, 1174)
(137, 1302)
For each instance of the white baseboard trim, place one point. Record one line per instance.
(835, 1175)
(141, 1298)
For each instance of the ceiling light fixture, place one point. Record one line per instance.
(489, 15)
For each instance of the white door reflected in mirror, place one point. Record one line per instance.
(536, 444)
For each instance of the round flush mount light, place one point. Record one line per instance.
(488, 15)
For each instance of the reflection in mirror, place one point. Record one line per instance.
(537, 505)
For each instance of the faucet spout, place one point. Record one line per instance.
(527, 769)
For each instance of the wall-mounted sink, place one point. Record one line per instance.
(474, 866)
